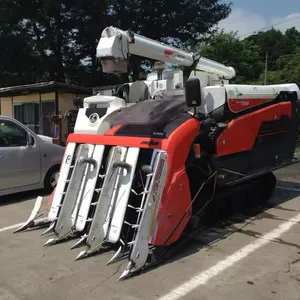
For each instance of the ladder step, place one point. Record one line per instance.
(144, 193)
(138, 209)
(133, 191)
(132, 225)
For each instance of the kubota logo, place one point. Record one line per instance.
(94, 118)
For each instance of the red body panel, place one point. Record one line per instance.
(240, 134)
(176, 197)
(237, 105)
(110, 140)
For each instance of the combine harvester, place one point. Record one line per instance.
(139, 177)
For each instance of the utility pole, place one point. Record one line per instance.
(266, 68)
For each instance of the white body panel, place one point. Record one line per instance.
(112, 203)
(259, 91)
(97, 230)
(140, 249)
(60, 188)
(89, 190)
(108, 103)
(124, 191)
(81, 182)
(215, 96)
(64, 223)
(212, 98)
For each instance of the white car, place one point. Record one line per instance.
(28, 161)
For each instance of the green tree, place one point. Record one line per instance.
(58, 35)
(18, 61)
(288, 70)
(228, 49)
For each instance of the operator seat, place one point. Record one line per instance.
(138, 92)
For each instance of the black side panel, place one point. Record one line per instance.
(289, 140)
(275, 143)
(275, 126)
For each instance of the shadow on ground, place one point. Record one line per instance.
(222, 227)
(21, 197)
(231, 222)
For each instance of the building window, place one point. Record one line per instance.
(36, 116)
(28, 114)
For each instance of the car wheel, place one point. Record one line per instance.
(51, 179)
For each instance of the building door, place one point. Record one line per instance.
(48, 110)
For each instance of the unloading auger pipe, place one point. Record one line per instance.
(115, 47)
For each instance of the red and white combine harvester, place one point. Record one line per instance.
(141, 169)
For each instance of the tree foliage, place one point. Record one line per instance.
(57, 39)
(248, 56)
(43, 40)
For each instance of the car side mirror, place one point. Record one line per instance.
(193, 92)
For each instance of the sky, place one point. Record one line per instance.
(248, 16)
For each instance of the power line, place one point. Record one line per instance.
(270, 26)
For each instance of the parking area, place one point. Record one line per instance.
(252, 257)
